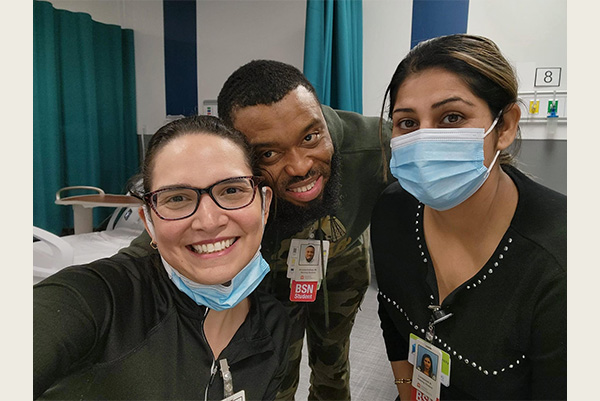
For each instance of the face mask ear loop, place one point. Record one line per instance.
(494, 161)
(493, 124)
(490, 130)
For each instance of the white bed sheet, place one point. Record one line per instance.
(93, 246)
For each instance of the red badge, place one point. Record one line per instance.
(303, 291)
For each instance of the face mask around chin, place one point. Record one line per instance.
(217, 296)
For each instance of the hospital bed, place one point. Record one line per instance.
(52, 253)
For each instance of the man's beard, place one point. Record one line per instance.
(288, 218)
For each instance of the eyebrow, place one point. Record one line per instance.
(436, 105)
(450, 100)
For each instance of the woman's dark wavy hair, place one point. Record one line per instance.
(259, 82)
(477, 61)
(188, 126)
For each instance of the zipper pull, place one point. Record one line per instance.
(227, 378)
(213, 373)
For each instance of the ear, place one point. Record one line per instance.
(507, 132)
(267, 197)
(147, 221)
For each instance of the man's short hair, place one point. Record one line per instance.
(259, 82)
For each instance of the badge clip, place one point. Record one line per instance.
(227, 378)
(438, 314)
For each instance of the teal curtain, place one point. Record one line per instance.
(84, 115)
(333, 52)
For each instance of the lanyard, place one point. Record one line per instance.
(325, 294)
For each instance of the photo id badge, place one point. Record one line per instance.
(239, 396)
(304, 260)
(445, 369)
(426, 372)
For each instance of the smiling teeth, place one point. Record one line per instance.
(214, 247)
(305, 188)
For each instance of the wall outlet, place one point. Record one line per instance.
(209, 108)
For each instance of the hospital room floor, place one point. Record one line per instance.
(370, 372)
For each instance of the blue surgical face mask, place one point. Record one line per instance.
(441, 167)
(218, 296)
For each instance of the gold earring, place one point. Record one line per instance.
(153, 245)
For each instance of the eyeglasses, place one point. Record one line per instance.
(178, 203)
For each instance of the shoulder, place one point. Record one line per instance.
(140, 246)
(392, 221)
(101, 283)
(120, 294)
(394, 200)
(337, 119)
(352, 131)
(126, 270)
(109, 270)
(541, 216)
(392, 191)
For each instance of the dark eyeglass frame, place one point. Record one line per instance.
(150, 197)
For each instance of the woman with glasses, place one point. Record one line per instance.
(469, 252)
(184, 322)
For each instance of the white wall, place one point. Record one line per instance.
(145, 17)
(230, 33)
(530, 33)
(386, 40)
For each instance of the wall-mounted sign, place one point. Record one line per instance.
(547, 76)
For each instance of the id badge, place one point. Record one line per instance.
(239, 396)
(307, 263)
(431, 369)
(445, 369)
(304, 259)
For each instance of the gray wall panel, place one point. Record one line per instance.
(546, 161)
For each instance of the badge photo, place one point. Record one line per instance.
(310, 255)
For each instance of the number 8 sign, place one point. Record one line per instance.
(547, 76)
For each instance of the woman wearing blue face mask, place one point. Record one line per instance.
(184, 323)
(470, 253)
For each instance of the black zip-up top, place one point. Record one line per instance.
(118, 328)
